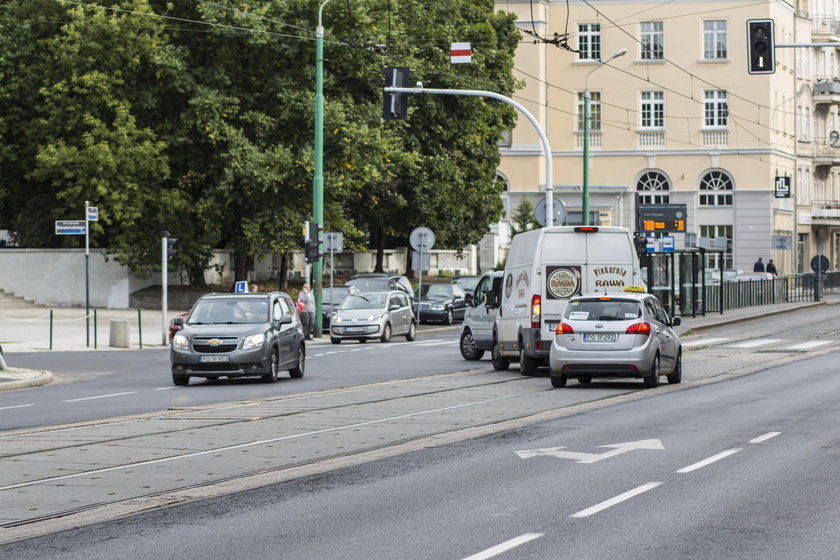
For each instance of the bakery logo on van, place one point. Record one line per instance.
(609, 276)
(562, 282)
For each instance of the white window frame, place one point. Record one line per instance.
(652, 40)
(589, 41)
(659, 195)
(715, 109)
(716, 189)
(652, 110)
(715, 34)
(594, 111)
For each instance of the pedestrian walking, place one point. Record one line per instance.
(306, 301)
(759, 265)
(771, 268)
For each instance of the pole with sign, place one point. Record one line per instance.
(421, 239)
(333, 241)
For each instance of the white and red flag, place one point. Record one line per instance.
(460, 53)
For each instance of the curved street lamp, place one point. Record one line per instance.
(601, 63)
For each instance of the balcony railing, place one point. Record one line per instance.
(651, 138)
(595, 139)
(825, 152)
(714, 138)
(826, 209)
(825, 25)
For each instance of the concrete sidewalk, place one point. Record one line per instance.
(38, 330)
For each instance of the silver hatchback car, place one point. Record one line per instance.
(370, 315)
(628, 335)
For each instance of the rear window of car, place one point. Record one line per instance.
(370, 284)
(602, 309)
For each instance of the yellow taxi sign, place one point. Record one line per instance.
(637, 289)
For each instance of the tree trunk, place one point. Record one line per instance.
(380, 251)
(283, 275)
(240, 265)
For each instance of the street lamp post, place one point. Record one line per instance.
(601, 63)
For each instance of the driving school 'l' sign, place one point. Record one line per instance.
(460, 53)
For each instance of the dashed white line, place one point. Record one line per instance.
(702, 342)
(15, 406)
(101, 396)
(808, 345)
(504, 547)
(616, 500)
(765, 437)
(165, 388)
(754, 343)
(709, 461)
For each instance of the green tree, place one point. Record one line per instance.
(523, 219)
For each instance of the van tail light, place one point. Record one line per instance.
(564, 328)
(639, 328)
(536, 311)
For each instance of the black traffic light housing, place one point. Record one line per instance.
(761, 46)
(640, 242)
(395, 105)
(171, 251)
(312, 247)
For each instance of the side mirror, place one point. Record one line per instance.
(675, 321)
(491, 299)
(284, 320)
(468, 300)
(178, 321)
(394, 307)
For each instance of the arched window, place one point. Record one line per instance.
(716, 189)
(653, 188)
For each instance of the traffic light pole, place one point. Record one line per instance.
(549, 185)
(318, 179)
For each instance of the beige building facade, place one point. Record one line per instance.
(678, 119)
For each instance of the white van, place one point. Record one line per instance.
(546, 267)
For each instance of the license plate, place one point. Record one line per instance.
(208, 359)
(600, 337)
(354, 329)
(552, 327)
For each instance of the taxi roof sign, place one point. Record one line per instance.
(637, 289)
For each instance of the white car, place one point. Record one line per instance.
(627, 335)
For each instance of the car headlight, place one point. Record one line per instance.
(253, 341)
(180, 341)
(438, 307)
(336, 318)
(375, 317)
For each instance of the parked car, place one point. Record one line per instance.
(370, 315)
(239, 335)
(479, 318)
(332, 298)
(466, 283)
(441, 303)
(628, 335)
(376, 282)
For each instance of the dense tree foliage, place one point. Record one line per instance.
(196, 117)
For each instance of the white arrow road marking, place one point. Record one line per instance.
(618, 449)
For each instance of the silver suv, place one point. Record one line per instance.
(477, 331)
(239, 335)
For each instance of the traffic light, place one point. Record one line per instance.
(641, 244)
(761, 46)
(312, 247)
(395, 105)
(171, 251)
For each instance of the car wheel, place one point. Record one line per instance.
(386, 333)
(584, 380)
(412, 332)
(676, 375)
(297, 371)
(527, 364)
(652, 380)
(468, 349)
(271, 376)
(448, 319)
(335, 340)
(500, 363)
(558, 381)
(180, 380)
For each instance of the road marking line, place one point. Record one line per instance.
(16, 406)
(708, 461)
(808, 345)
(702, 342)
(754, 343)
(616, 500)
(504, 547)
(249, 444)
(165, 388)
(765, 437)
(101, 396)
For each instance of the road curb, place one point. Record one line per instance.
(15, 378)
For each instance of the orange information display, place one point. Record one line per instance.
(662, 218)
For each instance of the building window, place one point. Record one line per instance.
(652, 39)
(653, 188)
(594, 110)
(713, 260)
(653, 109)
(589, 41)
(716, 189)
(714, 39)
(716, 108)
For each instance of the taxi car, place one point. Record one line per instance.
(626, 335)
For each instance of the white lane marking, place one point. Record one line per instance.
(708, 461)
(765, 437)
(702, 342)
(165, 388)
(616, 500)
(808, 345)
(101, 396)
(16, 406)
(249, 444)
(504, 547)
(754, 343)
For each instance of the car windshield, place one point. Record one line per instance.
(335, 295)
(229, 311)
(436, 290)
(603, 309)
(365, 301)
(467, 283)
(369, 284)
